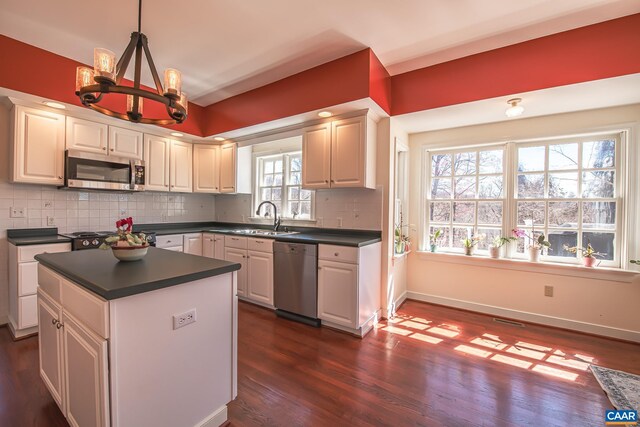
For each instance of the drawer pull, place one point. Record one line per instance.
(259, 242)
(54, 321)
(59, 325)
(336, 254)
(235, 238)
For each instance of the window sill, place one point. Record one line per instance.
(601, 273)
(285, 221)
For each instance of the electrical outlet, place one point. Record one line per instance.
(548, 291)
(51, 221)
(180, 320)
(17, 212)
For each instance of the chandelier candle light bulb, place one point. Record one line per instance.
(130, 104)
(104, 65)
(172, 82)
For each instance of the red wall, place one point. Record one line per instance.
(379, 83)
(39, 72)
(604, 50)
(599, 51)
(342, 80)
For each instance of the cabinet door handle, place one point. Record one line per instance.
(234, 238)
(59, 177)
(112, 149)
(319, 268)
(336, 254)
(104, 148)
(59, 325)
(54, 321)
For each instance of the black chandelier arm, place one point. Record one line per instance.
(176, 111)
(143, 120)
(123, 63)
(152, 66)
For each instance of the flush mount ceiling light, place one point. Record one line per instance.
(177, 134)
(325, 114)
(54, 105)
(515, 109)
(219, 138)
(106, 76)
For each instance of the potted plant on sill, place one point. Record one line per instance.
(469, 244)
(535, 245)
(497, 243)
(433, 240)
(588, 254)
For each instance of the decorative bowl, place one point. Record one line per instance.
(129, 253)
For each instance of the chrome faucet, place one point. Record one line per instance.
(276, 219)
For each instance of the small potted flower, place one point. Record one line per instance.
(126, 245)
(434, 239)
(469, 244)
(535, 245)
(497, 243)
(588, 254)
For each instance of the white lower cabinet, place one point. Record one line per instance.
(213, 245)
(255, 278)
(23, 284)
(171, 242)
(338, 292)
(50, 349)
(349, 286)
(260, 277)
(87, 402)
(192, 243)
(239, 256)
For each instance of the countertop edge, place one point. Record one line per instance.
(142, 288)
(45, 240)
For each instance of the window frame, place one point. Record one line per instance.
(286, 157)
(510, 190)
(476, 225)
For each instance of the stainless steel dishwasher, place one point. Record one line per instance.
(295, 281)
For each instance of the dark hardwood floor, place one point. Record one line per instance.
(429, 366)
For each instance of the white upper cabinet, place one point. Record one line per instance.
(206, 168)
(38, 146)
(86, 135)
(99, 138)
(339, 154)
(348, 152)
(125, 143)
(180, 172)
(316, 156)
(156, 158)
(228, 154)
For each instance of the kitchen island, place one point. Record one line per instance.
(149, 342)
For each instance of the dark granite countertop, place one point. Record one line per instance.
(341, 237)
(35, 236)
(101, 273)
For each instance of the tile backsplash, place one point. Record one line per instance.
(358, 209)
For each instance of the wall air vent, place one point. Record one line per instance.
(508, 322)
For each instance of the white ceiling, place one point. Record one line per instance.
(226, 47)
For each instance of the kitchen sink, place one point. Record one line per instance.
(262, 232)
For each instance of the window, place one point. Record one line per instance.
(466, 195)
(568, 189)
(279, 181)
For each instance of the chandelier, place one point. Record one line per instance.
(106, 77)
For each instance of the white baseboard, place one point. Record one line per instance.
(216, 419)
(400, 300)
(542, 319)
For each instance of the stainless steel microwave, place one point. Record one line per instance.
(99, 172)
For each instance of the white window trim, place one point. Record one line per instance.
(624, 198)
(255, 199)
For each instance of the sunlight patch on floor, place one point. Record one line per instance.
(524, 352)
(488, 343)
(414, 325)
(444, 332)
(425, 338)
(395, 330)
(569, 363)
(555, 372)
(519, 363)
(472, 350)
(532, 346)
